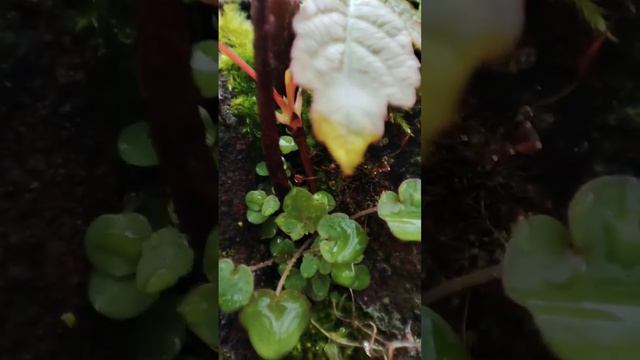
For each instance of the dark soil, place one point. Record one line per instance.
(64, 96)
(58, 166)
(485, 172)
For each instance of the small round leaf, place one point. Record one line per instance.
(113, 242)
(134, 145)
(309, 266)
(199, 312)
(118, 298)
(287, 144)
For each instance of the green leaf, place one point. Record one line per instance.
(268, 229)
(166, 257)
(324, 267)
(270, 205)
(199, 312)
(235, 285)
(160, 332)
(581, 284)
(287, 144)
(403, 211)
(353, 276)
(256, 217)
(327, 199)
(275, 323)
(295, 280)
(439, 342)
(318, 287)
(261, 169)
(343, 274)
(254, 199)
(603, 217)
(282, 249)
(134, 145)
(210, 258)
(363, 278)
(118, 298)
(113, 242)
(204, 65)
(343, 239)
(309, 266)
(302, 212)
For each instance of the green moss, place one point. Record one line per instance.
(236, 32)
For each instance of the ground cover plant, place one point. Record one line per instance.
(307, 223)
(536, 162)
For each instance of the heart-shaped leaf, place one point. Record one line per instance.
(327, 198)
(210, 258)
(302, 212)
(235, 285)
(118, 298)
(581, 285)
(204, 64)
(343, 240)
(113, 242)
(134, 145)
(275, 323)
(366, 64)
(439, 342)
(160, 332)
(166, 256)
(403, 211)
(200, 313)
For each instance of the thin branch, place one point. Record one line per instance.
(261, 265)
(290, 264)
(463, 282)
(364, 212)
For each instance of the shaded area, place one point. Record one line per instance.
(485, 172)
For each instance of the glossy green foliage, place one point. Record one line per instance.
(318, 287)
(327, 198)
(581, 283)
(302, 212)
(118, 298)
(166, 256)
(135, 147)
(261, 169)
(281, 249)
(403, 211)
(199, 312)
(204, 66)
(295, 281)
(268, 229)
(287, 144)
(210, 258)
(343, 240)
(160, 332)
(353, 276)
(275, 323)
(439, 342)
(260, 206)
(113, 242)
(309, 266)
(235, 285)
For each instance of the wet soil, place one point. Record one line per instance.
(486, 171)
